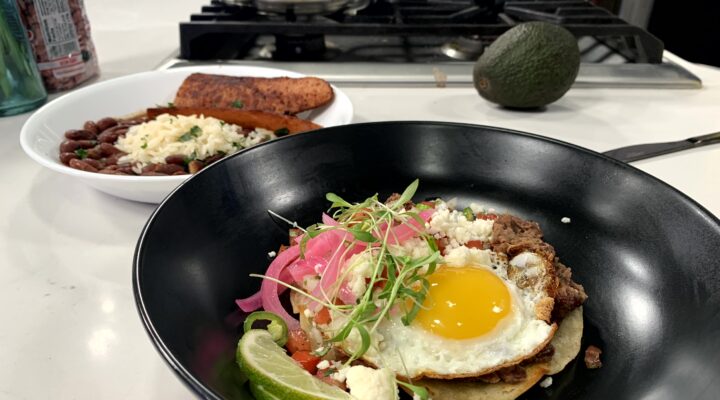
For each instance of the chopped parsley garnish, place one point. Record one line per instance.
(144, 146)
(237, 145)
(469, 214)
(170, 104)
(282, 132)
(82, 153)
(238, 104)
(194, 132)
(191, 157)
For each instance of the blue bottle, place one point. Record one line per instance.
(21, 88)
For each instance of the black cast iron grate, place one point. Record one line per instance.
(225, 31)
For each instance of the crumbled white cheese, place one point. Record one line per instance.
(477, 208)
(308, 313)
(545, 383)
(371, 384)
(462, 256)
(271, 254)
(414, 248)
(358, 268)
(565, 220)
(324, 364)
(453, 225)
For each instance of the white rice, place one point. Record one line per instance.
(195, 137)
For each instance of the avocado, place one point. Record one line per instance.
(531, 65)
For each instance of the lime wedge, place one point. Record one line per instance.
(275, 374)
(260, 393)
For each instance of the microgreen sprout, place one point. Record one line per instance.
(398, 283)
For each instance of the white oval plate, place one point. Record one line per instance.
(43, 132)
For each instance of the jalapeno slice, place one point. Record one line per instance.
(276, 326)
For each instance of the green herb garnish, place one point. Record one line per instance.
(82, 153)
(144, 146)
(397, 281)
(170, 104)
(237, 104)
(194, 132)
(191, 157)
(469, 214)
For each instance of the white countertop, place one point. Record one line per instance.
(69, 326)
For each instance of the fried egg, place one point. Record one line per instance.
(481, 313)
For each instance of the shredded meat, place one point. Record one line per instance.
(545, 355)
(512, 374)
(569, 295)
(592, 357)
(512, 235)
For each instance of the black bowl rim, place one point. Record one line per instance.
(203, 391)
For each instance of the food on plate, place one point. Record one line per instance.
(529, 66)
(441, 302)
(276, 95)
(166, 145)
(262, 119)
(592, 357)
(185, 137)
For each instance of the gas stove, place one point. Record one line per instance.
(414, 42)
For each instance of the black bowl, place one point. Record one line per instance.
(647, 255)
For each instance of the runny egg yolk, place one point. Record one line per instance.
(464, 302)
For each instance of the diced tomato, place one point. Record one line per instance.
(306, 360)
(298, 341)
(475, 244)
(324, 375)
(490, 217)
(323, 316)
(441, 244)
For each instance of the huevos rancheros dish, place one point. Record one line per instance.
(443, 303)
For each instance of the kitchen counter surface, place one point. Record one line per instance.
(69, 326)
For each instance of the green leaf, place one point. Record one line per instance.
(469, 214)
(420, 391)
(237, 104)
(365, 338)
(337, 201)
(363, 236)
(82, 153)
(417, 304)
(195, 130)
(186, 137)
(407, 195)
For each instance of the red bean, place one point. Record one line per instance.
(80, 134)
(97, 164)
(108, 149)
(111, 135)
(91, 126)
(153, 173)
(82, 165)
(109, 171)
(69, 146)
(95, 153)
(178, 159)
(195, 166)
(66, 157)
(113, 159)
(106, 123)
(169, 168)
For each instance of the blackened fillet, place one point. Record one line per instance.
(275, 95)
